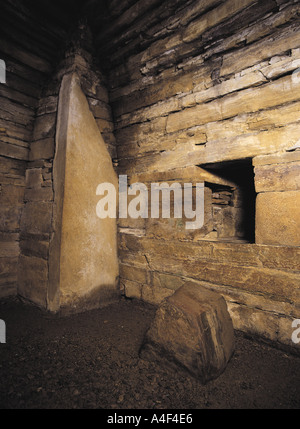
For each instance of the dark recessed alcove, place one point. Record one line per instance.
(241, 174)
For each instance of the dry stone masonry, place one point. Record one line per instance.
(214, 96)
(182, 91)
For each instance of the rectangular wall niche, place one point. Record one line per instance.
(233, 208)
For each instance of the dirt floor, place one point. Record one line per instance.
(91, 360)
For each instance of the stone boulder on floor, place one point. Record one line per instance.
(192, 329)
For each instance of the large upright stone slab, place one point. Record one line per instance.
(193, 329)
(83, 253)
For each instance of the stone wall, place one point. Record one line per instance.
(26, 68)
(30, 47)
(209, 89)
(197, 91)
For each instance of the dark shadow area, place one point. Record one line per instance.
(240, 172)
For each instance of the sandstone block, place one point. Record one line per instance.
(33, 279)
(278, 218)
(42, 149)
(278, 42)
(9, 218)
(34, 247)
(280, 177)
(37, 218)
(217, 15)
(44, 127)
(250, 100)
(8, 270)
(34, 178)
(9, 249)
(132, 290)
(39, 194)
(11, 195)
(132, 273)
(8, 289)
(155, 295)
(277, 158)
(192, 329)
